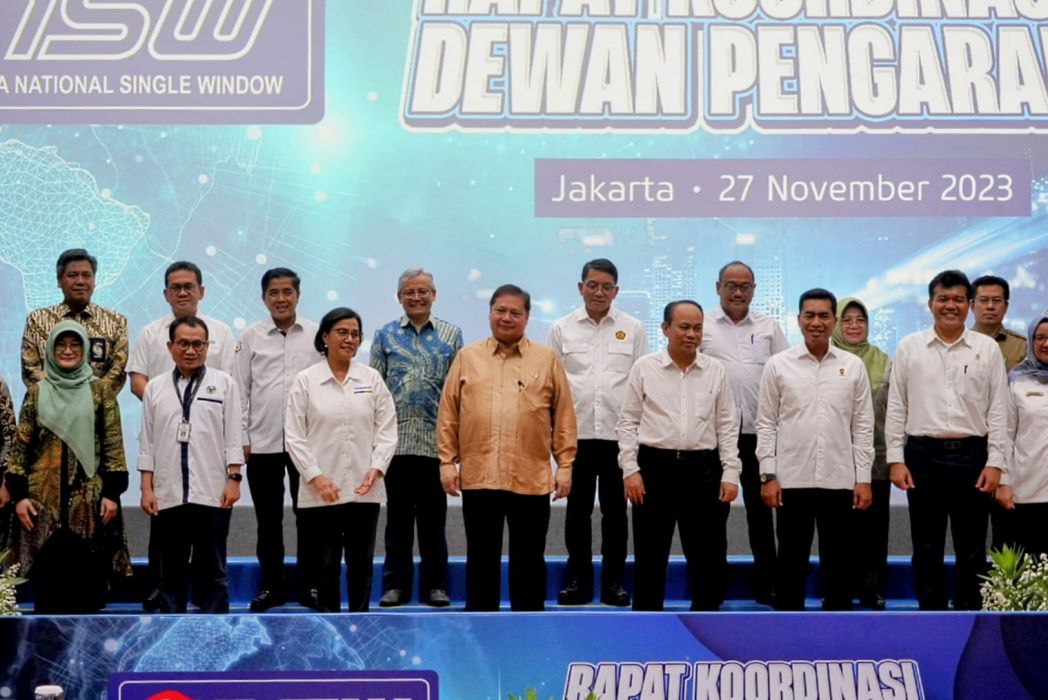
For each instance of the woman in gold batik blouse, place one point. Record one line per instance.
(66, 474)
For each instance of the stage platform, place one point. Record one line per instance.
(244, 577)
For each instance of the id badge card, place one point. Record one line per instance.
(182, 434)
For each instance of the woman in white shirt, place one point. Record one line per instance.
(1025, 485)
(341, 432)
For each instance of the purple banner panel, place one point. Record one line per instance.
(162, 61)
(601, 188)
(305, 685)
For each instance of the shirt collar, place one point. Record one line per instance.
(721, 317)
(581, 316)
(271, 326)
(67, 312)
(521, 347)
(406, 322)
(931, 337)
(801, 351)
(354, 373)
(665, 360)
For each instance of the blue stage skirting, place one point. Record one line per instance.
(244, 576)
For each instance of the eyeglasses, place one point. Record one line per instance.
(594, 286)
(343, 333)
(420, 293)
(180, 288)
(66, 345)
(184, 345)
(853, 321)
(745, 288)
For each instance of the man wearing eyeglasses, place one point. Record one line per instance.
(413, 354)
(183, 290)
(744, 341)
(190, 455)
(598, 345)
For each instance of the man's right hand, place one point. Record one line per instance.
(900, 476)
(771, 493)
(326, 488)
(148, 503)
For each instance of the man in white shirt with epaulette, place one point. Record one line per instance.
(947, 436)
(598, 345)
(190, 454)
(744, 340)
(678, 434)
(815, 446)
(270, 354)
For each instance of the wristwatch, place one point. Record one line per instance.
(235, 476)
(765, 478)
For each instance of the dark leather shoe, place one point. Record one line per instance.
(311, 599)
(615, 595)
(874, 601)
(152, 602)
(765, 598)
(438, 598)
(391, 598)
(265, 600)
(574, 595)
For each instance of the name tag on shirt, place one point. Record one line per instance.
(366, 389)
(183, 431)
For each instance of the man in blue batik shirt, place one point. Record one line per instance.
(414, 354)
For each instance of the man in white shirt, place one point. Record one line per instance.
(743, 341)
(598, 345)
(678, 436)
(190, 454)
(815, 446)
(150, 357)
(270, 354)
(183, 291)
(946, 434)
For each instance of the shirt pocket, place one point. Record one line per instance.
(972, 382)
(620, 358)
(576, 357)
(797, 396)
(755, 348)
(704, 405)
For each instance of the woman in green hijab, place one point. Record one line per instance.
(871, 525)
(66, 474)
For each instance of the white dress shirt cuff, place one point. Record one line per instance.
(235, 455)
(730, 476)
(863, 476)
(629, 469)
(311, 473)
(895, 455)
(145, 463)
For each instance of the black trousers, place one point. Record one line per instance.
(330, 531)
(684, 493)
(414, 496)
(1003, 526)
(869, 544)
(596, 465)
(1031, 528)
(803, 510)
(265, 480)
(760, 522)
(944, 475)
(485, 512)
(191, 543)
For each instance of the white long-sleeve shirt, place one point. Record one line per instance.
(341, 430)
(151, 358)
(671, 409)
(948, 390)
(597, 358)
(815, 420)
(1027, 471)
(267, 362)
(215, 442)
(744, 348)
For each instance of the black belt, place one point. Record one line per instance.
(947, 444)
(678, 455)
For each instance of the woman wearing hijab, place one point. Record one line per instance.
(1025, 485)
(66, 475)
(871, 526)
